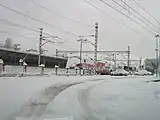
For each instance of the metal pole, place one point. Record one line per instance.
(140, 63)
(157, 52)
(40, 45)
(56, 52)
(115, 61)
(159, 57)
(96, 44)
(128, 61)
(81, 40)
(44, 61)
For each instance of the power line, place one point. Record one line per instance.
(62, 16)
(17, 25)
(127, 16)
(135, 16)
(5, 32)
(116, 20)
(146, 11)
(139, 14)
(9, 33)
(36, 19)
(27, 28)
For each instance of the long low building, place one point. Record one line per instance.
(12, 57)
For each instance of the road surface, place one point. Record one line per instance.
(115, 99)
(96, 98)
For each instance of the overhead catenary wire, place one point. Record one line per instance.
(5, 32)
(146, 11)
(28, 28)
(37, 19)
(10, 23)
(145, 28)
(135, 16)
(62, 16)
(116, 20)
(139, 14)
(9, 33)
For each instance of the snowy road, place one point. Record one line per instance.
(15, 92)
(121, 98)
(81, 98)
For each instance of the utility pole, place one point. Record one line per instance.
(40, 45)
(96, 44)
(56, 52)
(157, 53)
(80, 55)
(115, 61)
(159, 57)
(128, 61)
(140, 63)
(81, 40)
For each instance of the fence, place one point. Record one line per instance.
(17, 70)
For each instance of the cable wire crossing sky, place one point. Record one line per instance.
(121, 23)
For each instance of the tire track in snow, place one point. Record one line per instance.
(83, 100)
(35, 108)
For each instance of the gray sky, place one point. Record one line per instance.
(112, 35)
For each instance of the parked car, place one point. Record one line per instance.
(149, 73)
(120, 72)
(103, 72)
(143, 73)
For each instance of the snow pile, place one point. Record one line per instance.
(1, 61)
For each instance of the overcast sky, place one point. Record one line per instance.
(113, 35)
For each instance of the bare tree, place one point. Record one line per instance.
(8, 43)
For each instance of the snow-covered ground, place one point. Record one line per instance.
(15, 91)
(118, 98)
(79, 97)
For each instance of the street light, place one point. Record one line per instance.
(28, 51)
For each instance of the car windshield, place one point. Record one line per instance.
(79, 60)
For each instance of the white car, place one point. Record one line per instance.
(120, 72)
(149, 73)
(143, 72)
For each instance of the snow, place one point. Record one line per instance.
(20, 60)
(142, 72)
(119, 97)
(24, 64)
(120, 71)
(15, 91)
(56, 66)
(1, 61)
(41, 65)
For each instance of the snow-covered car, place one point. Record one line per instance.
(120, 72)
(149, 73)
(143, 72)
